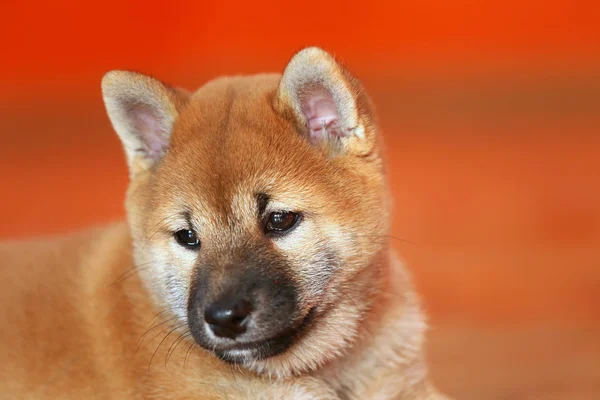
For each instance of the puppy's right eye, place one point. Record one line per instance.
(188, 239)
(280, 222)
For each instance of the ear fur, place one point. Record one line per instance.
(142, 111)
(326, 102)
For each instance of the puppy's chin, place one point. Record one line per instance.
(246, 353)
(332, 331)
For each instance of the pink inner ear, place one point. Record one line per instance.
(151, 131)
(321, 114)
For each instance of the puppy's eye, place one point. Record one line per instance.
(279, 222)
(187, 238)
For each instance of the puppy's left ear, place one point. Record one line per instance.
(142, 111)
(328, 105)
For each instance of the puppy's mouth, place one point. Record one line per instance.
(242, 353)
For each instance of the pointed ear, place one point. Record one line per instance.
(328, 104)
(142, 111)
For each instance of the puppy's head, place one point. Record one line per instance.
(257, 207)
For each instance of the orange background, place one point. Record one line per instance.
(490, 110)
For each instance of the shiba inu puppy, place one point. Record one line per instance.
(254, 264)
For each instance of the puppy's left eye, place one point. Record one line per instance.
(187, 238)
(281, 221)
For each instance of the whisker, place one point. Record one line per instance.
(188, 352)
(158, 227)
(176, 343)
(159, 313)
(156, 326)
(362, 235)
(356, 306)
(130, 272)
(151, 340)
(304, 364)
(162, 341)
(349, 289)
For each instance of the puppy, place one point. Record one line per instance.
(254, 265)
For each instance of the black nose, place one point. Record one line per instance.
(228, 317)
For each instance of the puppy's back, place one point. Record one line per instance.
(50, 293)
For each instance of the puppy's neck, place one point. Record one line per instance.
(395, 310)
(391, 338)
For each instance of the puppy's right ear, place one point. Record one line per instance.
(142, 111)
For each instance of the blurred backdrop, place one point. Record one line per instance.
(490, 111)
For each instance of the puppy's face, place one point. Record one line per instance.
(256, 206)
